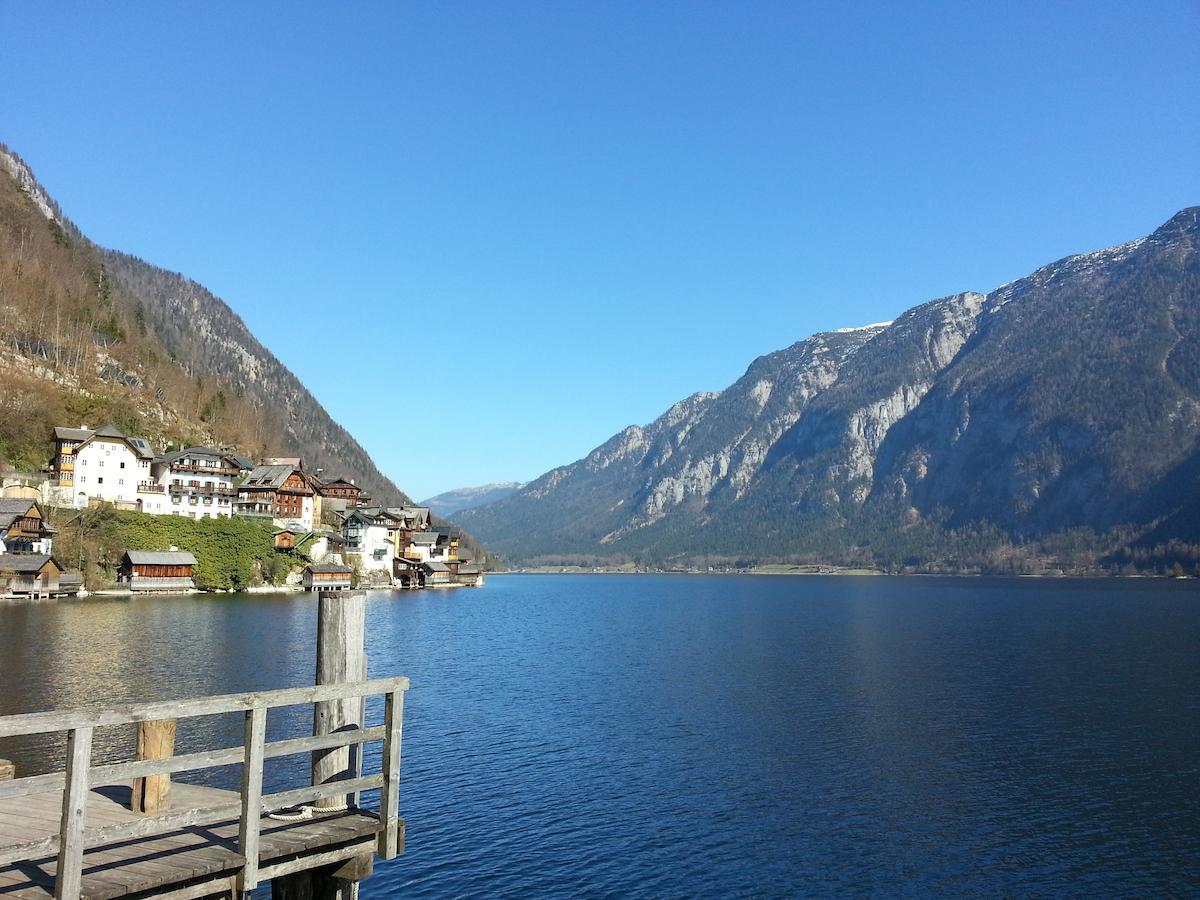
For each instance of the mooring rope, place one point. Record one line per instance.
(306, 812)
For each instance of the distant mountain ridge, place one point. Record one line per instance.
(91, 334)
(1059, 411)
(448, 503)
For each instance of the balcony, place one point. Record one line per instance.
(204, 470)
(147, 487)
(219, 490)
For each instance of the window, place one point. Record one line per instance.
(100, 480)
(122, 465)
(82, 479)
(120, 481)
(101, 463)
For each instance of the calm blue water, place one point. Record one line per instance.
(683, 736)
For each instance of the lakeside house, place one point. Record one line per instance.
(341, 495)
(326, 577)
(33, 576)
(104, 464)
(280, 493)
(197, 482)
(370, 536)
(163, 571)
(24, 528)
(399, 542)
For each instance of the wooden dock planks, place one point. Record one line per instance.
(156, 865)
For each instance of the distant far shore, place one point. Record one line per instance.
(782, 569)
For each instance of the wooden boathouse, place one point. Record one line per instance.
(82, 832)
(326, 577)
(158, 571)
(32, 576)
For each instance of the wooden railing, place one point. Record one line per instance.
(80, 776)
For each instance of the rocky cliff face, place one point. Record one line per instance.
(1066, 399)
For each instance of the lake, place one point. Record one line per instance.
(676, 736)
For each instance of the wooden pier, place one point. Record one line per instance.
(76, 833)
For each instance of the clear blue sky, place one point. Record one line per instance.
(570, 215)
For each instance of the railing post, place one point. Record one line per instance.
(68, 877)
(252, 777)
(389, 793)
(155, 740)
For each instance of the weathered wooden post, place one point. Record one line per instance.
(155, 740)
(341, 657)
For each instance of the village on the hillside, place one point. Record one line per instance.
(330, 523)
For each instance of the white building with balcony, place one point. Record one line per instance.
(99, 465)
(197, 483)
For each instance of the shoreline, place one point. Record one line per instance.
(839, 573)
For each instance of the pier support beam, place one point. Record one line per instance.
(341, 657)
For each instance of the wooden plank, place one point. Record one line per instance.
(389, 796)
(284, 799)
(157, 825)
(204, 889)
(151, 869)
(315, 860)
(74, 801)
(119, 773)
(46, 722)
(252, 776)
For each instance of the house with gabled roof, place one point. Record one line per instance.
(30, 575)
(160, 571)
(370, 536)
(197, 482)
(23, 527)
(424, 546)
(341, 494)
(280, 493)
(104, 464)
(326, 577)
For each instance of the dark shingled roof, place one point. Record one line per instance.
(324, 569)
(25, 563)
(426, 537)
(13, 508)
(72, 434)
(161, 557)
(268, 476)
(198, 451)
(139, 445)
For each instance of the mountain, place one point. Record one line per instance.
(1056, 418)
(91, 335)
(450, 502)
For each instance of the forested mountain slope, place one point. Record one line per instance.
(1055, 418)
(92, 335)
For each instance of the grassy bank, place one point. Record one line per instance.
(231, 554)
